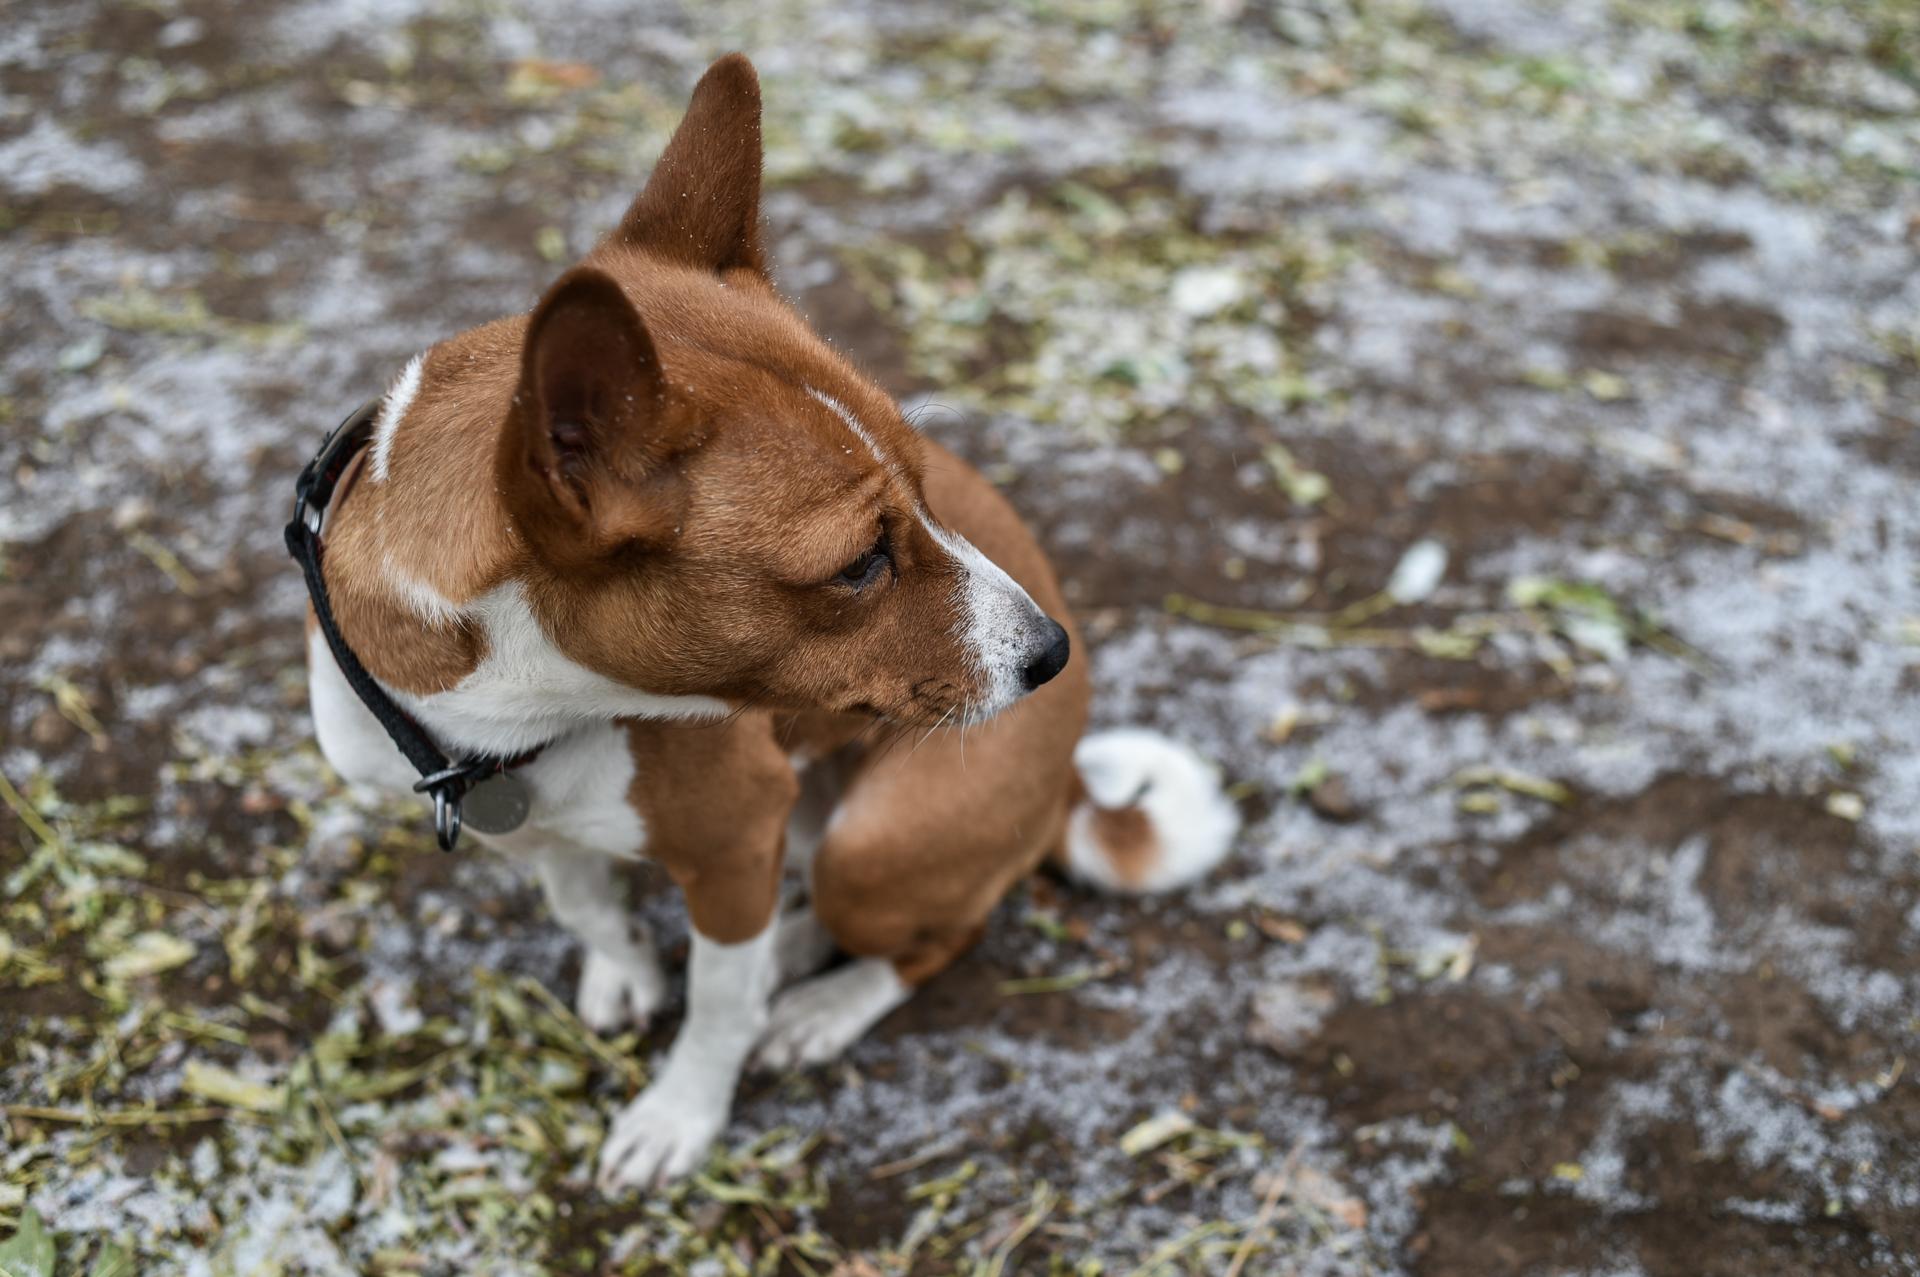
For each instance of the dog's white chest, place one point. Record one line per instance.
(579, 790)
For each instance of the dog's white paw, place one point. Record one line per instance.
(614, 994)
(818, 1020)
(658, 1138)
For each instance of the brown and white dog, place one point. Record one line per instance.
(661, 529)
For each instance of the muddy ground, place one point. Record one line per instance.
(1575, 926)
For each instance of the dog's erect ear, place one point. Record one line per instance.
(701, 206)
(585, 462)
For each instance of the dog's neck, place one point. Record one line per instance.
(524, 691)
(422, 565)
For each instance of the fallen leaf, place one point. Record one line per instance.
(1540, 787)
(1310, 774)
(1155, 1131)
(532, 75)
(1845, 805)
(148, 953)
(1418, 573)
(82, 354)
(1302, 486)
(1281, 729)
(223, 1086)
(29, 1252)
(1605, 386)
(1285, 930)
(112, 1261)
(1205, 290)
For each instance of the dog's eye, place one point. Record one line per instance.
(866, 569)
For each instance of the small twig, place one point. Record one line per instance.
(1058, 983)
(25, 811)
(916, 1160)
(393, 1083)
(1184, 1242)
(167, 561)
(1043, 1202)
(125, 1117)
(1275, 1191)
(1237, 618)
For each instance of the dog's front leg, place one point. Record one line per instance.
(620, 978)
(716, 800)
(664, 1134)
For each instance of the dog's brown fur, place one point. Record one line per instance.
(643, 455)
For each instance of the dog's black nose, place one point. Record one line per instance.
(1052, 658)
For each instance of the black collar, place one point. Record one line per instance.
(447, 780)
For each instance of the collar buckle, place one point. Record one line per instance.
(313, 490)
(446, 819)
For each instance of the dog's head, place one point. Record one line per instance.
(712, 502)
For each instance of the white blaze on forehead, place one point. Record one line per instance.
(1001, 620)
(399, 399)
(845, 414)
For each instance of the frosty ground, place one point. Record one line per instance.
(1575, 925)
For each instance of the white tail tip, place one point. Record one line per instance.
(1155, 817)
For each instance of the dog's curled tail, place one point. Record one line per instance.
(1149, 815)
